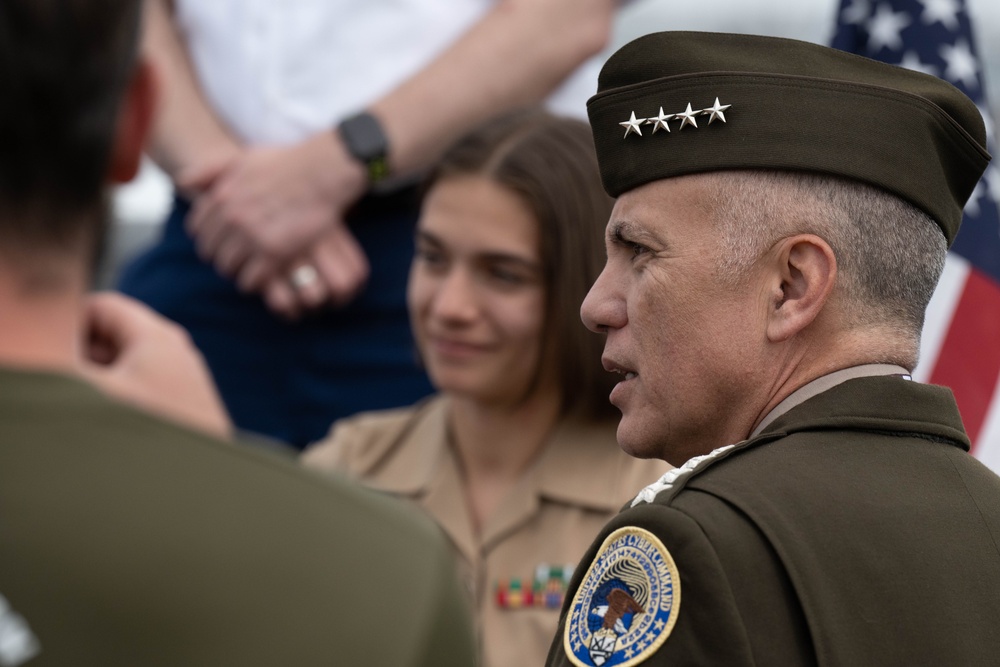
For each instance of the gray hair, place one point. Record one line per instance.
(889, 253)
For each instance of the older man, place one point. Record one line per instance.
(782, 219)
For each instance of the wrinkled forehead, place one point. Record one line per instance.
(670, 205)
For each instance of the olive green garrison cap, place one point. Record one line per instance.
(675, 103)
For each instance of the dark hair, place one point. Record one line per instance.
(63, 67)
(550, 162)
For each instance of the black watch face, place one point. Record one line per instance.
(364, 138)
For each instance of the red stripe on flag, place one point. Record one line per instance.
(969, 361)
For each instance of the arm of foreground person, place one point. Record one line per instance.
(136, 356)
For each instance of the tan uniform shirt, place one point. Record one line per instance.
(517, 568)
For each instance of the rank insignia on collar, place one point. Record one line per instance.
(627, 603)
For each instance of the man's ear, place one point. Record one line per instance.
(135, 119)
(804, 270)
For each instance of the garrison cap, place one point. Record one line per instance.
(675, 103)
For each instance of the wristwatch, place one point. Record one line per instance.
(366, 142)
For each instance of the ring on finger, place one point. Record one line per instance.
(304, 276)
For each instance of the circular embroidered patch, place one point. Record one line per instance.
(627, 603)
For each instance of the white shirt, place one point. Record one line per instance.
(277, 71)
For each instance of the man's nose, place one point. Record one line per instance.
(603, 308)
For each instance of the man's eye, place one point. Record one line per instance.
(637, 249)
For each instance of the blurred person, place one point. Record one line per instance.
(292, 130)
(782, 217)
(515, 457)
(125, 538)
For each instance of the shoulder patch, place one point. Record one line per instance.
(627, 603)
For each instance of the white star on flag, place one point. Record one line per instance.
(857, 12)
(988, 122)
(912, 61)
(945, 11)
(885, 27)
(992, 180)
(960, 64)
(972, 206)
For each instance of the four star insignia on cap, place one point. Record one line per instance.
(715, 111)
(632, 125)
(687, 117)
(659, 122)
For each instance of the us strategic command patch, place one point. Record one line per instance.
(627, 603)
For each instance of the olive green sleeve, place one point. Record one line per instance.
(708, 629)
(449, 640)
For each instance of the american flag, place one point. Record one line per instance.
(961, 339)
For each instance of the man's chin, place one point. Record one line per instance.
(632, 442)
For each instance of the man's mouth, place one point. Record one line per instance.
(613, 367)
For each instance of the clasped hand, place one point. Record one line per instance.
(262, 214)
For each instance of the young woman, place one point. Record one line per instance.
(516, 456)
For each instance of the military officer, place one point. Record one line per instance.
(782, 219)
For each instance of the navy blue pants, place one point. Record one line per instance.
(291, 380)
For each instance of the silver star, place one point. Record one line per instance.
(687, 117)
(632, 125)
(660, 122)
(715, 111)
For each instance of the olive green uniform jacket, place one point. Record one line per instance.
(854, 530)
(125, 540)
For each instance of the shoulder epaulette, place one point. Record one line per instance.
(674, 480)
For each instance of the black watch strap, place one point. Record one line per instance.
(367, 143)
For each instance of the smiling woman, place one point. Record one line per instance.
(476, 294)
(516, 456)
